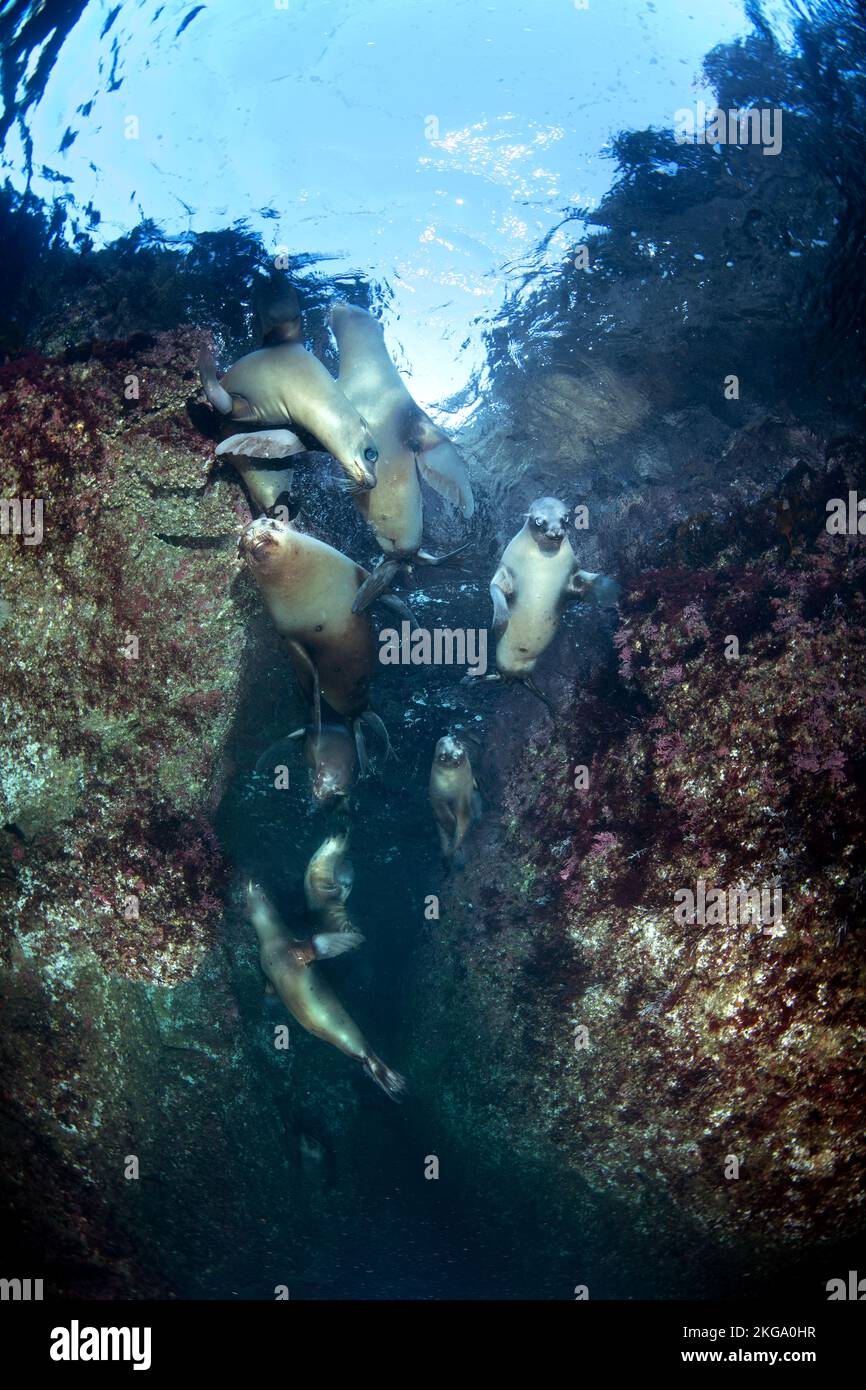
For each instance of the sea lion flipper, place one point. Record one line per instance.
(375, 584)
(401, 607)
(261, 444)
(442, 467)
(335, 943)
(501, 589)
(216, 394)
(272, 756)
(306, 668)
(391, 1082)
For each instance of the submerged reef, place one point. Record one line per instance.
(658, 1051)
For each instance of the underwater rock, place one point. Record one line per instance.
(705, 1079)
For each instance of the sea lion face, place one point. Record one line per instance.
(262, 540)
(331, 760)
(449, 752)
(546, 521)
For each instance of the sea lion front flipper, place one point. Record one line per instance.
(501, 590)
(266, 761)
(375, 584)
(261, 444)
(370, 717)
(304, 665)
(442, 467)
(216, 394)
(334, 943)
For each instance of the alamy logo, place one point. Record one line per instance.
(715, 907)
(21, 1290)
(854, 1289)
(22, 516)
(76, 1343)
(846, 518)
(443, 646)
(749, 126)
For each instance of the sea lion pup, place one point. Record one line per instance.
(328, 752)
(283, 384)
(290, 967)
(328, 882)
(309, 588)
(408, 442)
(454, 797)
(537, 578)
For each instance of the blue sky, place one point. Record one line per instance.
(426, 143)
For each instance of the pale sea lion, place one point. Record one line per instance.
(283, 384)
(309, 588)
(290, 966)
(538, 576)
(328, 882)
(454, 796)
(408, 442)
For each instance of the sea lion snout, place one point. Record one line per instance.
(261, 537)
(450, 751)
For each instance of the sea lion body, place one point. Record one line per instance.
(308, 588)
(328, 882)
(539, 580)
(284, 385)
(290, 967)
(330, 756)
(453, 796)
(376, 389)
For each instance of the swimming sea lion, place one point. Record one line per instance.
(328, 882)
(329, 753)
(290, 967)
(454, 796)
(537, 578)
(407, 440)
(283, 384)
(309, 588)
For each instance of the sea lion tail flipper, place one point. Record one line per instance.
(442, 467)
(216, 394)
(273, 756)
(391, 1082)
(401, 607)
(375, 584)
(329, 944)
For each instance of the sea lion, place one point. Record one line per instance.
(328, 752)
(309, 588)
(328, 882)
(283, 384)
(454, 796)
(408, 442)
(538, 576)
(290, 967)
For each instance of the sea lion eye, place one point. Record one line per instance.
(371, 455)
(539, 521)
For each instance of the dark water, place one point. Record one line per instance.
(703, 263)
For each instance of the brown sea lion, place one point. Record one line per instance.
(408, 443)
(328, 882)
(309, 588)
(291, 968)
(328, 752)
(454, 796)
(538, 576)
(283, 384)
